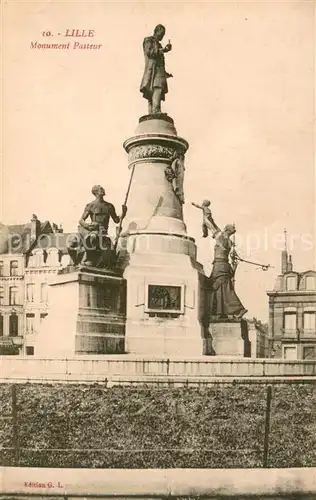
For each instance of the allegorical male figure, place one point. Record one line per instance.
(95, 247)
(154, 83)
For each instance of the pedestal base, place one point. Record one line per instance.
(86, 315)
(229, 339)
(159, 339)
(165, 307)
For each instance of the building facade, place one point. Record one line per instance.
(30, 254)
(292, 313)
(259, 339)
(11, 301)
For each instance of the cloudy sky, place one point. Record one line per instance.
(242, 95)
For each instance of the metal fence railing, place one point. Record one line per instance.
(227, 425)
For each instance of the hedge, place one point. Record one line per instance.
(144, 427)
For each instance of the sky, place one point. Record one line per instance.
(242, 95)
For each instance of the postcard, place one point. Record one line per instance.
(157, 267)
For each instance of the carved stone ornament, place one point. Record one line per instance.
(150, 151)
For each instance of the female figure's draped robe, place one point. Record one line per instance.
(154, 73)
(224, 301)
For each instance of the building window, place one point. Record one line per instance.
(38, 258)
(290, 321)
(29, 350)
(291, 283)
(13, 325)
(290, 352)
(1, 295)
(310, 283)
(14, 268)
(44, 290)
(42, 316)
(13, 295)
(88, 296)
(1, 325)
(53, 257)
(30, 323)
(309, 352)
(30, 288)
(30, 260)
(1, 268)
(310, 320)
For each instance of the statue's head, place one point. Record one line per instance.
(98, 190)
(206, 203)
(230, 229)
(159, 31)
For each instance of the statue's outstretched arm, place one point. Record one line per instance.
(196, 205)
(215, 230)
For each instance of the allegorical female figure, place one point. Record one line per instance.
(224, 301)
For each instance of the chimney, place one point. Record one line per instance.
(284, 262)
(290, 264)
(35, 227)
(284, 256)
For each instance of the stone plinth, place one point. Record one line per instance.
(229, 339)
(86, 315)
(176, 329)
(165, 284)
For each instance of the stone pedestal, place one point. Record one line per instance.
(230, 339)
(86, 315)
(165, 297)
(165, 284)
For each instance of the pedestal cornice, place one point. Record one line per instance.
(157, 138)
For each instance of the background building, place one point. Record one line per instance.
(11, 302)
(29, 254)
(258, 334)
(292, 312)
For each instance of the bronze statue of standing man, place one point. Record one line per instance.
(154, 83)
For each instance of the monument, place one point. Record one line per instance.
(145, 293)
